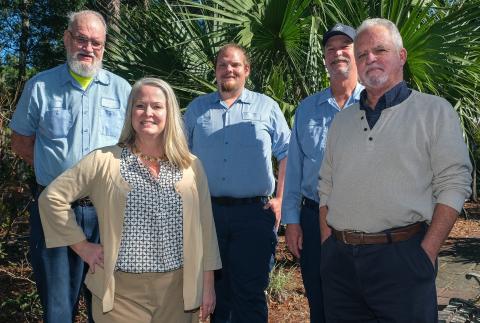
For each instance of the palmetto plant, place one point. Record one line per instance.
(177, 40)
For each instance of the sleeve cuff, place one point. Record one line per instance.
(452, 199)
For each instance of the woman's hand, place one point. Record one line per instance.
(91, 253)
(208, 300)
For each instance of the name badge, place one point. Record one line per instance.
(109, 103)
(57, 102)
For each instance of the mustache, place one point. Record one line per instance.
(374, 66)
(85, 54)
(340, 59)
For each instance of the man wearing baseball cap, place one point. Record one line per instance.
(300, 210)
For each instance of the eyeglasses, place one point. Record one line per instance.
(83, 41)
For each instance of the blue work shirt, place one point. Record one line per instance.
(67, 121)
(307, 147)
(236, 144)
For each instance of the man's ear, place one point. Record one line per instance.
(403, 55)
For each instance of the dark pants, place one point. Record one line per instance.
(378, 283)
(59, 272)
(310, 262)
(246, 240)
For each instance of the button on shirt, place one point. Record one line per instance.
(392, 97)
(235, 144)
(67, 121)
(307, 147)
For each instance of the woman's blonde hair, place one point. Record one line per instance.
(174, 141)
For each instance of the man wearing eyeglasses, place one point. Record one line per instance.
(63, 114)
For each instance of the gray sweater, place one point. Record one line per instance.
(394, 174)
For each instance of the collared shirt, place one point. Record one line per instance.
(392, 97)
(67, 121)
(236, 144)
(307, 147)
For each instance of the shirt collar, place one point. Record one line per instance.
(245, 97)
(327, 95)
(101, 77)
(392, 97)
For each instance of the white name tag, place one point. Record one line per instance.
(57, 102)
(109, 103)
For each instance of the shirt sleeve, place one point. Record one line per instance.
(57, 216)
(211, 253)
(26, 116)
(189, 120)
(292, 194)
(280, 133)
(451, 182)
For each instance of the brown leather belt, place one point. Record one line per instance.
(395, 235)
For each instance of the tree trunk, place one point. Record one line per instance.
(111, 8)
(24, 7)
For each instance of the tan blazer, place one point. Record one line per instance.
(97, 175)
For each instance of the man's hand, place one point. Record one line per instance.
(208, 299)
(275, 204)
(91, 253)
(443, 219)
(294, 238)
(325, 230)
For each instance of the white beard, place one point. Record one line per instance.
(83, 69)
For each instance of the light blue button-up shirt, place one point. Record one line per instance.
(67, 121)
(307, 146)
(236, 144)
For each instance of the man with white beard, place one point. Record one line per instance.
(63, 114)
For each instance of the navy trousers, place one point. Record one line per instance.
(246, 239)
(378, 283)
(310, 257)
(59, 272)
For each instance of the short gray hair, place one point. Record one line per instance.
(385, 23)
(73, 16)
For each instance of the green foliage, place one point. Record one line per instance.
(26, 304)
(280, 278)
(178, 42)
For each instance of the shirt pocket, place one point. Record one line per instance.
(314, 139)
(111, 117)
(252, 131)
(57, 122)
(206, 134)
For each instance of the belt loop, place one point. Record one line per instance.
(344, 238)
(389, 236)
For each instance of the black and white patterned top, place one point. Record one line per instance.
(152, 237)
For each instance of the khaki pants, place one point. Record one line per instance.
(145, 298)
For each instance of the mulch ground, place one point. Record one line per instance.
(19, 301)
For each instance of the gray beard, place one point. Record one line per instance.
(84, 70)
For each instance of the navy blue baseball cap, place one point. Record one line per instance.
(339, 29)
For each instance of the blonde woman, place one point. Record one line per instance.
(158, 245)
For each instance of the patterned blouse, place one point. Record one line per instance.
(152, 237)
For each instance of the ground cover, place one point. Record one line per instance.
(286, 295)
